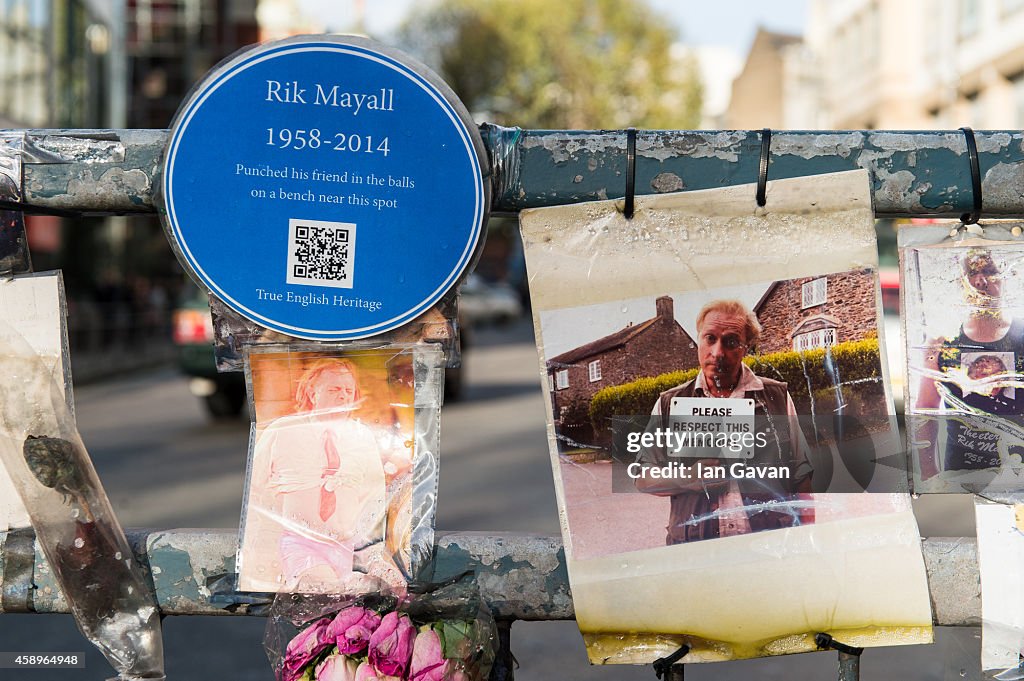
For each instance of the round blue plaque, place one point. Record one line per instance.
(325, 187)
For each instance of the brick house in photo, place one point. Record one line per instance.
(649, 348)
(816, 312)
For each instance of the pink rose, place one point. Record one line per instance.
(306, 645)
(366, 672)
(391, 645)
(337, 668)
(427, 657)
(351, 629)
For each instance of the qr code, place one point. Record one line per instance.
(321, 253)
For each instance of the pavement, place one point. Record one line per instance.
(108, 363)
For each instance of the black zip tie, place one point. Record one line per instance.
(663, 664)
(824, 641)
(762, 170)
(972, 217)
(627, 211)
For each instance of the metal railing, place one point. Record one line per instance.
(914, 174)
(521, 576)
(923, 174)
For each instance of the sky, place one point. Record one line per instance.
(701, 23)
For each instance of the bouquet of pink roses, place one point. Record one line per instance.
(383, 638)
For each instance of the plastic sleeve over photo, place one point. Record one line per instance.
(439, 324)
(749, 336)
(107, 590)
(342, 478)
(963, 329)
(1001, 544)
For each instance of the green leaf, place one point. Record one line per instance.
(455, 638)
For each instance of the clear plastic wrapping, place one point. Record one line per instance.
(107, 590)
(342, 481)
(963, 325)
(232, 333)
(445, 634)
(1000, 550)
(14, 254)
(33, 305)
(748, 338)
(505, 160)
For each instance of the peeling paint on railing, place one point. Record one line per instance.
(922, 174)
(521, 577)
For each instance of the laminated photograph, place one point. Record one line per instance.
(329, 502)
(32, 308)
(963, 311)
(726, 462)
(49, 476)
(1001, 544)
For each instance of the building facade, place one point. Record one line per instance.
(816, 312)
(779, 86)
(91, 64)
(171, 44)
(888, 65)
(54, 56)
(655, 346)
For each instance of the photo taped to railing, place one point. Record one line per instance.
(963, 313)
(720, 413)
(342, 472)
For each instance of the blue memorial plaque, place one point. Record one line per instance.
(325, 187)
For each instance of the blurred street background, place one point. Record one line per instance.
(167, 434)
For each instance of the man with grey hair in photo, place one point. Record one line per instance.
(709, 508)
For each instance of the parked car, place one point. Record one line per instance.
(482, 302)
(223, 394)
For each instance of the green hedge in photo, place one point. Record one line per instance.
(858, 362)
